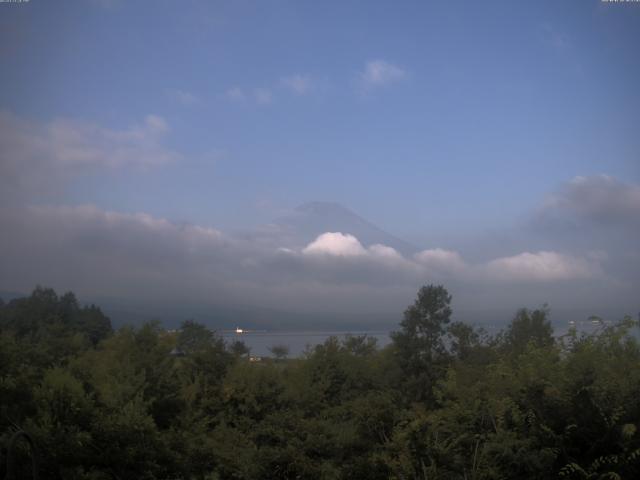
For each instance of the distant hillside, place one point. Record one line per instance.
(7, 296)
(219, 317)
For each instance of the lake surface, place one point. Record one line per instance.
(296, 341)
(260, 342)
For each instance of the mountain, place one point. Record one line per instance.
(7, 296)
(309, 220)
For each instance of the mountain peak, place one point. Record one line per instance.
(317, 207)
(311, 219)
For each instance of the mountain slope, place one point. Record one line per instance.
(311, 219)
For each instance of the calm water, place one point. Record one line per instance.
(296, 341)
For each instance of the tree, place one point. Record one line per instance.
(43, 314)
(420, 345)
(94, 324)
(239, 349)
(529, 327)
(360, 345)
(279, 351)
(464, 340)
(194, 336)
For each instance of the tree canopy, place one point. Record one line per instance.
(443, 400)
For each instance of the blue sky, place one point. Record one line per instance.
(499, 102)
(431, 119)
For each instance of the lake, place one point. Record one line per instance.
(259, 342)
(296, 341)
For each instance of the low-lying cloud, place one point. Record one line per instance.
(583, 242)
(111, 253)
(36, 157)
(541, 266)
(598, 200)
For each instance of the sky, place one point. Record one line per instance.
(147, 147)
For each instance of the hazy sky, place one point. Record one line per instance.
(144, 146)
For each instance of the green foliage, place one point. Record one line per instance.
(443, 401)
(279, 351)
(194, 337)
(239, 349)
(529, 327)
(360, 345)
(420, 346)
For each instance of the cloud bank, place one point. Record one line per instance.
(119, 252)
(598, 200)
(36, 157)
(127, 254)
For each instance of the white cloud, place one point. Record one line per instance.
(185, 98)
(440, 260)
(78, 144)
(113, 253)
(65, 142)
(540, 266)
(236, 94)
(83, 217)
(88, 249)
(543, 266)
(298, 84)
(106, 252)
(335, 243)
(378, 73)
(560, 41)
(34, 156)
(385, 252)
(263, 96)
(346, 245)
(599, 199)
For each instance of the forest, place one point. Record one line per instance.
(444, 400)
